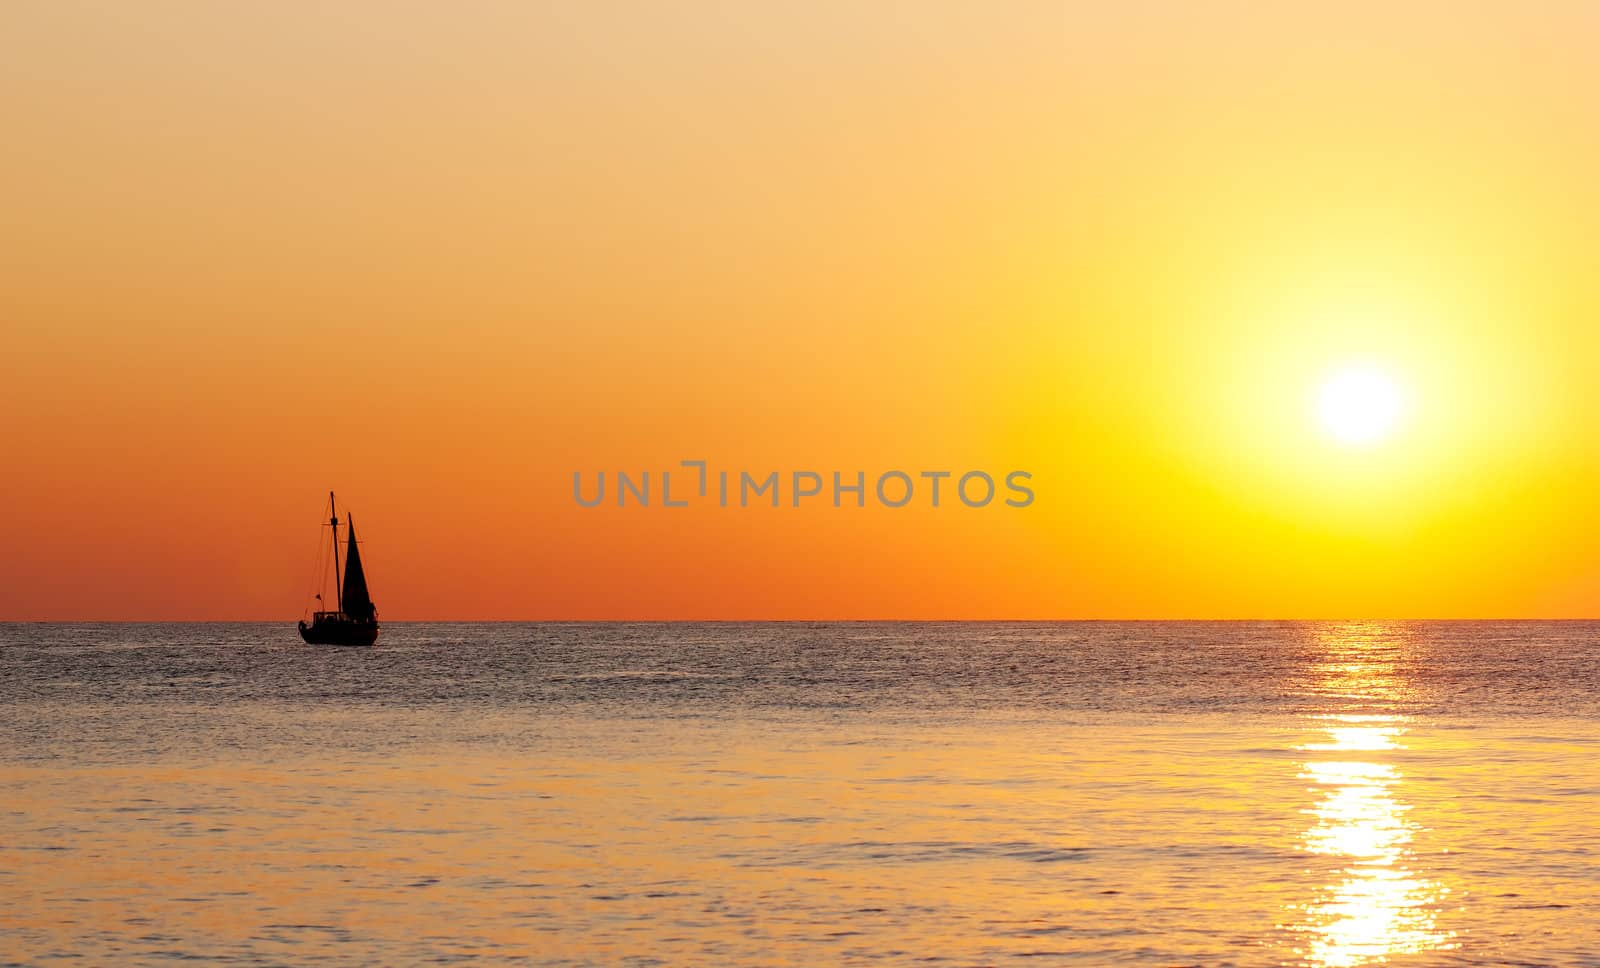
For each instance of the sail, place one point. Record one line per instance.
(357, 603)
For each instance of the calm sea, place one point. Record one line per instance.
(1321, 794)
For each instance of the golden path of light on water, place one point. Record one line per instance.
(1382, 905)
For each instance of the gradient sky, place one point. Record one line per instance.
(437, 257)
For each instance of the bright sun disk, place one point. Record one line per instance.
(1360, 404)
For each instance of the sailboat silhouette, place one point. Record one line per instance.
(354, 619)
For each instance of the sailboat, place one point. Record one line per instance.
(354, 619)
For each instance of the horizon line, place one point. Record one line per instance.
(793, 621)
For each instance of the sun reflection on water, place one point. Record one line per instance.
(1380, 904)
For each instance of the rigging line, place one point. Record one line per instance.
(319, 570)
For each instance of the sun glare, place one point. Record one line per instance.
(1360, 405)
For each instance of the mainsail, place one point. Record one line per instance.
(357, 603)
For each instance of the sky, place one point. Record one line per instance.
(439, 258)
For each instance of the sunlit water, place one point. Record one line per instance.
(957, 794)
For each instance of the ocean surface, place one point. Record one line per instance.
(1321, 794)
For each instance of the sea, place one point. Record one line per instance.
(941, 794)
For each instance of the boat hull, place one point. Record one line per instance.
(339, 632)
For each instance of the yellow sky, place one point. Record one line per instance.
(438, 257)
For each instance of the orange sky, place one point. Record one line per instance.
(438, 257)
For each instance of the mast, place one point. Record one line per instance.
(338, 591)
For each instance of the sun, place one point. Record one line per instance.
(1360, 404)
